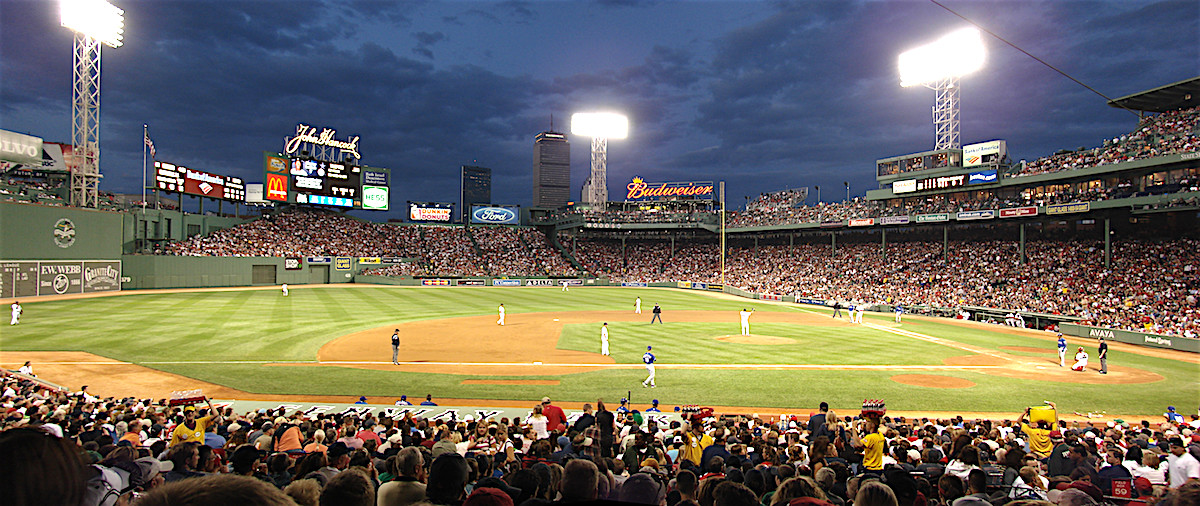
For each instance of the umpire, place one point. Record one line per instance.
(395, 346)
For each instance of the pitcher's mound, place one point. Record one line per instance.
(932, 381)
(755, 339)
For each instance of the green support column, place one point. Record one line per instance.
(833, 243)
(1107, 245)
(1021, 247)
(945, 241)
(883, 242)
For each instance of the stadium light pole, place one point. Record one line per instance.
(938, 66)
(600, 126)
(94, 22)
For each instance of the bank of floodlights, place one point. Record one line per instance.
(938, 66)
(600, 126)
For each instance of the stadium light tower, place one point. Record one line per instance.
(938, 66)
(95, 22)
(600, 126)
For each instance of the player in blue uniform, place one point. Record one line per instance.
(899, 312)
(648, 359)
(1062, 350)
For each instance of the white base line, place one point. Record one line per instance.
(922, 337)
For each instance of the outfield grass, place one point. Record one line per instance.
(160, 330)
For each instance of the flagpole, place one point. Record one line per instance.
(145, 135)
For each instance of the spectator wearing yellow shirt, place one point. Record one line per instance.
(872, 443)
(1039, 437)
(694, 443)
(192, 429)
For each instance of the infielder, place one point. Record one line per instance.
(604, 339)
(899, 313)
(285, 291)
(1081, 360)
(16, 312)
(860, 308)
(500, 321)
(396, 346)
(746, 321)
(648, 359)
(1062, 350)
(637, 305)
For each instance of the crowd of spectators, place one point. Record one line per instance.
(1151, 286)
(1163, 134)
(72, 448)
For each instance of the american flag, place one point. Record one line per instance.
(149, 143)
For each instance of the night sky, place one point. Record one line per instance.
(762, 95)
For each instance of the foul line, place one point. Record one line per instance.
(814, 367)
(922, 337)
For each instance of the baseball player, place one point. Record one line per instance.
(850, 310)
(604, 339)
(1062, 350)
(648, 359)
(1081, 360)
(899, 313)
(860, 308)
(564, 286)
(396, 346)
(501, 311)
(285, 291)
(16, 312)
(746, 321)
(637, 305)
(653, 407)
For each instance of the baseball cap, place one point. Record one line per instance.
(488, 496)
(655, 402)
(545, 400)
(189, 407)
(246, 453)
(337, 449)
(1175, 441)
(1171, 408)
(151, 467)
(1055, 434)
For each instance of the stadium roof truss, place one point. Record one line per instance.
(1181, 95)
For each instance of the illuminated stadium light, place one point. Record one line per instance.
(97, 19)
(956, 54)
(96, 23)
(938, 66)
(600, 126)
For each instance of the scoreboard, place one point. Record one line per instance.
(306, 180)
(179, 179)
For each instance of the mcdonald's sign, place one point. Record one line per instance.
(277, 187)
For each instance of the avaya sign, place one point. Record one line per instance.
(494, 215)
(641, 190)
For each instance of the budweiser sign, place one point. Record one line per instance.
(305, 133)
(641, 190)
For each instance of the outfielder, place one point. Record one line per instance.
(637, 305)
(500, 310)
(285, 290)
(1062, 350)
(564, 285)
(604, 339)
(396, 346)
(16, 312)
(648, 359)
(746, 321)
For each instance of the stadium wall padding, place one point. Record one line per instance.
(31, 231)
(150, 271)
(1138, 338)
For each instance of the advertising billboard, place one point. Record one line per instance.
(984, 153)
(20, 148)
(982, 177)
(434, 212)
(375, 198)
(1014, 212)
(638, 190)
(905, 186)
(495, 215)
(179, 179)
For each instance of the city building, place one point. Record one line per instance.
(551, 170)
(476, 188)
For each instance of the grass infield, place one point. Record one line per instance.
(223, 336)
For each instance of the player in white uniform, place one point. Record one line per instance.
(637, 305)
(500, 310)
(16, 312)
(648, 359)
(860, 307)
(1081, 360)
(285, 290)
(746, 321)
(604, 339)
(564, 285)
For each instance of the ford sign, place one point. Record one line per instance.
(494, 215)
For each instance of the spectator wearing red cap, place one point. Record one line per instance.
(555, 417)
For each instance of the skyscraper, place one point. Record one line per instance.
(476, 189)
(551, 170)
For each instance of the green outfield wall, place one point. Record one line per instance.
(156, 271)
(1138, 338)
(38, 232)
(141, 230)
